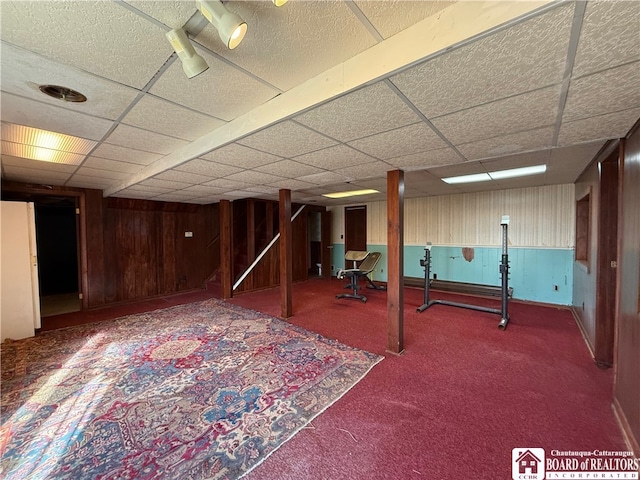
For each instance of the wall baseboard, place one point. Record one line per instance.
(633, 444)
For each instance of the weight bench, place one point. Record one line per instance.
(369, 262)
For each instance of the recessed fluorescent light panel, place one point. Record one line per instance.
(352, 193)
(43, 145)
(499, 175)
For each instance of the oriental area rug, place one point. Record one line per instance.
(200, 391)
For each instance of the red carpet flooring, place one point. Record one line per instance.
(453, 406)
(460, 398)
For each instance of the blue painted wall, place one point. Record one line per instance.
(534, 272)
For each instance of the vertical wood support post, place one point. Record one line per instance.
(226, 248)
(286, 251)
(395, 258)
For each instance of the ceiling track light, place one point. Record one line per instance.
(230, 26)
(192, 63)
(279, 3)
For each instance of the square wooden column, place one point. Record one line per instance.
(286, 253)
(395, 259)
(226, 248)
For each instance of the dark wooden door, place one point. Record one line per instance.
(606, 276)
(355, 229)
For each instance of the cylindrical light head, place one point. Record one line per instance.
(192, 63)
(279, 3)
(231, 27)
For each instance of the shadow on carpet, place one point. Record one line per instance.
(204, 390)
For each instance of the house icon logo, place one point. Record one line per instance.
(527, 464)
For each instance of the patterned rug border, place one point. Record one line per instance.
(104, 326)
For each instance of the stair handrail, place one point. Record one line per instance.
(263, 252)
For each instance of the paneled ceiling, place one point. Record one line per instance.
(321, 96)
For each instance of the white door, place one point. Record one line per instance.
(20, 310)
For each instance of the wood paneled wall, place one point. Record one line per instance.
(146, 252)
(540, 217)
(627, 358)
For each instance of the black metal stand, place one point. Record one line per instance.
(504, 270)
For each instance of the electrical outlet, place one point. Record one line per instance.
(555, 287)
(435, 276)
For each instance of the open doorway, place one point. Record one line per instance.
(57, 238)
(57, 249)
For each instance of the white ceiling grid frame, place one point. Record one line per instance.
(335, 158)
(365, 112)
(207, 168)
(107, 26)
(32, 113)
(336, 37)
(609, 36)
(287, 139)
(140, 139)
(455, 24)
(602, 127)
(125, 154)
(537, 139)
(114, 165)
(502, 65)
(288, 169)
(28, 70)
(240, 156)
(603, 92)
(161, 116)
(415, 138)
(515, 114)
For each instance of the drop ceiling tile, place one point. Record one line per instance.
(325, 178)
(103, 174)
(288, 169)
(203, 190)
(160, 183)
(401, 141)
(602, 127)
(132, 137)
(522, 182)
(13, 172)
(527, 56)
(128, 193)
(8, 160)
(263, 189)
(467, 168)
(183, 177)
(227, 184)
(541, 157)
(501, 117)
(173, 13)
(432, 158)
(205, 167)
(609, 91)
(365, 112)
(537, 139)
(478, 187)
(173, 197)
(252, 177)
(335, 158)
(83, 181)
(160, 116)
(609, 36)
(106, 29)
(379, 184)
(287, 139)
(240, 156)
(155, 190)
(574, 158)
(291, 184)
(367, 170)
(105, 99)
(106, 164)
(124, 154)
(391, 17)
(300, 40)
(23, 111)
(215, 91)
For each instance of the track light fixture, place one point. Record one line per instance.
(192, 63)
(230, 26)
